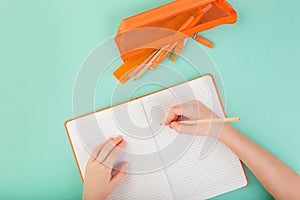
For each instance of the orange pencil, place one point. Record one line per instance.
(146, 64)
(204, 41)
(165, 51)
(190, 23)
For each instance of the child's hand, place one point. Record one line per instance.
(99, 182)
(192, 110)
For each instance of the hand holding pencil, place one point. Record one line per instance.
(194, 118)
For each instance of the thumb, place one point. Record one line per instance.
(118, 176)
(185, 129)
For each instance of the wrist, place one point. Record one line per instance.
(93, 196)
(227, 130)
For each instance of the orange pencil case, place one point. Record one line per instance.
(155, 28)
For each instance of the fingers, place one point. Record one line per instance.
(111, 158)
(107, 148)
(187, 109)
(191, 110)
(118, 177)
(174, 112)
(185, 129)
(97, 150)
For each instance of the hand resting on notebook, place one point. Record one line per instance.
(100, 181)
(268, 169)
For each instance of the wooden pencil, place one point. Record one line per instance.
(145, 65)
(167, 49)
(205, 121)
(188, 24)
(137, 69)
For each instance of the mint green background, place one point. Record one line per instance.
(43, 43)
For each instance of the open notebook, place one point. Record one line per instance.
(162, 163)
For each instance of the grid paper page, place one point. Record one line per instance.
(188, 175)
(81, 153)
(85, 132)
(152, 185)
(130, 121)
(184, 175)
(158, 105)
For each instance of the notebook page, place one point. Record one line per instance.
(82, 155)
(85, 134)
(130, 121)
(157, 106)
(189, 176)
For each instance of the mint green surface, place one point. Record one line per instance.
(43, 43)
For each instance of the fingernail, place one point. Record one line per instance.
(119, 138)
(122, 144)
(172, 125)
(116, 140)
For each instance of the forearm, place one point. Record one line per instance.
(276, 177)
